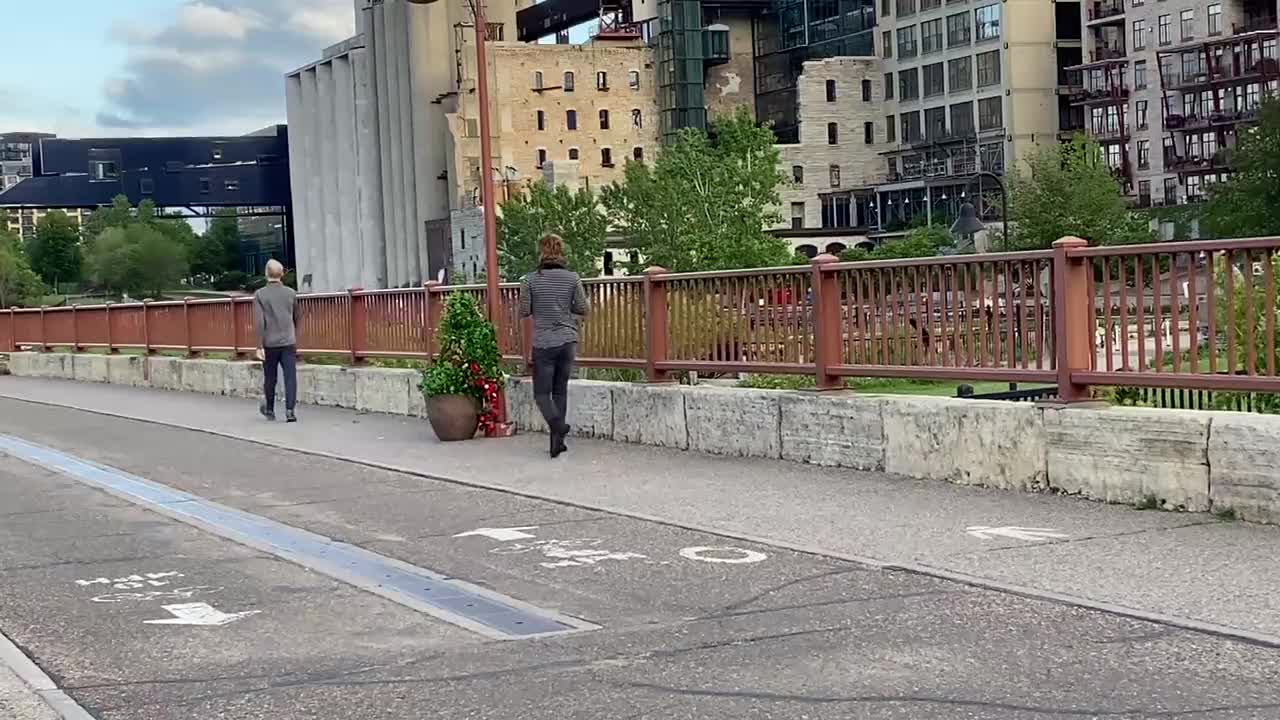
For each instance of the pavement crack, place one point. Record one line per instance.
(790, 583)
(823, 603)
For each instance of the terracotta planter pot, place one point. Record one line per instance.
(453, 417)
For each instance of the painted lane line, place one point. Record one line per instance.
(741, 556)
(457, 602)
(982, 532)
(199, 613)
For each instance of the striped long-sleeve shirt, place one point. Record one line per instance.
(556, 300)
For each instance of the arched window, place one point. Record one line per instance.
(604, 119)
(568, 81)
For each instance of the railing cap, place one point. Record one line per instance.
(825, 259)
(1071, 242)
(655, 270)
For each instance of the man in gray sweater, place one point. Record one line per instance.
(276, 315)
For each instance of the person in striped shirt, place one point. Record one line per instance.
(554, 297)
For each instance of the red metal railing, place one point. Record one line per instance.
(1194, 315)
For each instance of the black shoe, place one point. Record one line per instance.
(564, 433)
(267, 412)
(557, 444)
(289, 416)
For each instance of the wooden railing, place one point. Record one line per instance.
(1186, 315)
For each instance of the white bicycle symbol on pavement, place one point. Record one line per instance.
(176, 594)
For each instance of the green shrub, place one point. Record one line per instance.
(469, 362)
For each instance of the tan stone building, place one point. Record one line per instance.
(23, 221)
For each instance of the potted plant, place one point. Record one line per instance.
(461, 385)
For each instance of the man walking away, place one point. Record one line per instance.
(276, 315)
(553, 295)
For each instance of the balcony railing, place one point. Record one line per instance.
(1112, 52)
(1070, 78)
(1083, 95)
(1226, 72)
(1106, 10)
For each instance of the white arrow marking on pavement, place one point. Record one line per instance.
(501, 534)
(743, 556)
(982, 532)
(199, 614)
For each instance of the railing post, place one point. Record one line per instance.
(75, 329)
(655, 324)
(435, 311)
(358, 324)
(186, 325)
(146, 327)
(11, 343)
(44, 335)
(826, 322)
(106, 313)
(1073, 331)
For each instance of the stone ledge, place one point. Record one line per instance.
(650, 415)
(590, 407)
(1244, 465)
(734, 421)
(839, 430)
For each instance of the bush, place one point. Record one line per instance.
(234, 280)
(469, 362)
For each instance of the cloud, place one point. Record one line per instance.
(217, 64)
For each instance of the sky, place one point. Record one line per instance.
(85, 68)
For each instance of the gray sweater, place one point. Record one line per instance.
(556, 299)
(275, 315)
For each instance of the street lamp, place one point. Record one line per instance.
(970, 222)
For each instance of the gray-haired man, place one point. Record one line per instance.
(276, 315)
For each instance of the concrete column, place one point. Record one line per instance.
(373, 241)
(413, 230)
(348, 172)
(298, 175)
(328, 167)
(375, 26)
(313, 223)
(428, 123)
(392, 32)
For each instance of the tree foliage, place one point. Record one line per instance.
(217, 251)
(54, 251)
(1068, 189)
(920, 242)
(704, 204)
(19, 285)
(574, 216)
(136, 252)
(1248, 203)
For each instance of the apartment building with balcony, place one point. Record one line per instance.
(1167, 84)
(969, 86)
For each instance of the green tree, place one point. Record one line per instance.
(217, 251)
(19, 284)
(54, 251)
(704, 204)
(118, 214)
(1068, 189)
(920, 242)
(574, 216)
(1248, 203)
(137, 259)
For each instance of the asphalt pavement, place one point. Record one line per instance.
(140, 607)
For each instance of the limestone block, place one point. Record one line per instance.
(521, 410)
(22, 364)
(1127, 455)
(968, 442)
(1244, 465)
(329, 385)
(204, 376)
(590, 407)
(833, 430)
(383, 390)
(650, 415)
(126, 370)
(164, 373)
(244, 380)
(58, 366)
(417, 401)
(89, 367)
(734, 421)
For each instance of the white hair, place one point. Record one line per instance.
(275, 269)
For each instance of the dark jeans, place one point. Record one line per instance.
(551, 368)
(286, 360)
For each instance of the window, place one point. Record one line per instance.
(633, 79)
(991, 155)
(866, 90)
(833, 175)
(960, 73)
(958, 29)
(104, 170)
(1193, 188)
(935, 123)
(216, 154)
(989, 68)
(1115, 159)
(541, 119)
(888, 86)
(537, 80)
(908, 84)
(931, 36)
(1170, 152)
(604, 119)
(869, 133)
(1139, 34)
(1170, 191)
(911, 127)
(542, 156)
(926, 5)
(1164, 30)
(146, 186)
(1144, 154)
(907, 42)
(934, 78)
(1144, 192)
(637, 153)
(831, 91)
(1215, 19)
(637, 118)
(231, 185)
(568, 81)
(837, 210)
(573, 153)
(987, 20)
(886, 44)
(833, 134)
(886, 9)
(1142, 114)
(606, 157)
(571, 119)
(990, 114)
(602, 80)
(204, 186)
(962, 118)
(1140, 74)
(797, 216)
(906, 7)
(1187, 23)
(890, 129)
(797, 174)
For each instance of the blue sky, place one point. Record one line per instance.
(158, 67)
